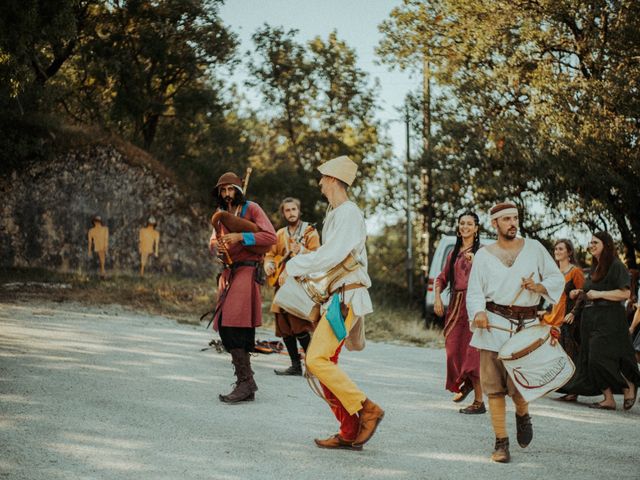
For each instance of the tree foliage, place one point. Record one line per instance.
(146, 63)
(319, 105)
(539, 103)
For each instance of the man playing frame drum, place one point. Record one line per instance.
(506, 284)
(342, 321)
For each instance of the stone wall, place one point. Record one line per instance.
(47, 208)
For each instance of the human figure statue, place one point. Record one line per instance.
(148, 243)
(99, 240)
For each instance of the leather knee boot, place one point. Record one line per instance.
(244, 387)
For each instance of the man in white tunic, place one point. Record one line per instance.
(506, 284)
(344, 233)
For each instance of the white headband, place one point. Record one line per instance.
(504, 212)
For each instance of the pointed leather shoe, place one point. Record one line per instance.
(293, 370)
(337, 442)
(476, 408)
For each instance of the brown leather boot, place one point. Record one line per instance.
(370, 416)
(524, 430)
(248, 373)
(245, 387)
(336, 441)
(501, 451)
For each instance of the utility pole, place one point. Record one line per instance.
(426, 172)
(409, 226)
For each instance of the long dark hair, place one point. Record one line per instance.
(238, 199)
(458, 246)
(568, 244)
(600, 267)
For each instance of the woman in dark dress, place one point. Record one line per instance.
(606, 363)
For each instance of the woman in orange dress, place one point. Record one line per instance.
(562, 316)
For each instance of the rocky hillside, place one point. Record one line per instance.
(47, 209)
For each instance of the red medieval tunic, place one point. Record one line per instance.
(239, 299)
(463, 361)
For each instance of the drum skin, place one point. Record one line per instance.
(292, 298)
(535, 366)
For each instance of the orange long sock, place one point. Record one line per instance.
(498, 408)
(522, 407)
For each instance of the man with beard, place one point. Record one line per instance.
(239, 308)
(344, 237)
(296, 238)
(506, 284)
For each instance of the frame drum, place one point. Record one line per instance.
(293, 299)
(535, 366)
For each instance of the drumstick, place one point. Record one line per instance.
(522, 289)
(500, 328)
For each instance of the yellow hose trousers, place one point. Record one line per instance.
(323, 346)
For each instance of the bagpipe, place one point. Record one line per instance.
(235, 224)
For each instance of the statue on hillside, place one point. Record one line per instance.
(99, 240)
(148, 243)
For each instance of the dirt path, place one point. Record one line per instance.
(103, 393)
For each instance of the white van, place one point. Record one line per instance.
(444, 248)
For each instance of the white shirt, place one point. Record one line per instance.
(492, 281)
(344, 232)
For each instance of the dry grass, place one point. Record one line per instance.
(179, 298)
(185, 300)
(402, 325)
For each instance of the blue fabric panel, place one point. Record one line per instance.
(335, 319)
(248, 239)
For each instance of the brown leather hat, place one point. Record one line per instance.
(230, 178)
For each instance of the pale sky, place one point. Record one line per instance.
(356, 22)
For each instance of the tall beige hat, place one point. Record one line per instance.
(342, 168)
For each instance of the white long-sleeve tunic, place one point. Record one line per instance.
(344, 232)
(492, 281)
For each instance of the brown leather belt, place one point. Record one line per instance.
(527, 350)
(600, 303)
(348, 286)
(514, 312)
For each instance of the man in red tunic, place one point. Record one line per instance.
(239, 308)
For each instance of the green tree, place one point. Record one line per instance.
(543, 100)
(319, 104)
(36, 39)
(148, 62)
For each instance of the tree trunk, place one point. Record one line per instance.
(149, 129)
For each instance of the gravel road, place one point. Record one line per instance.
(105, 393)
